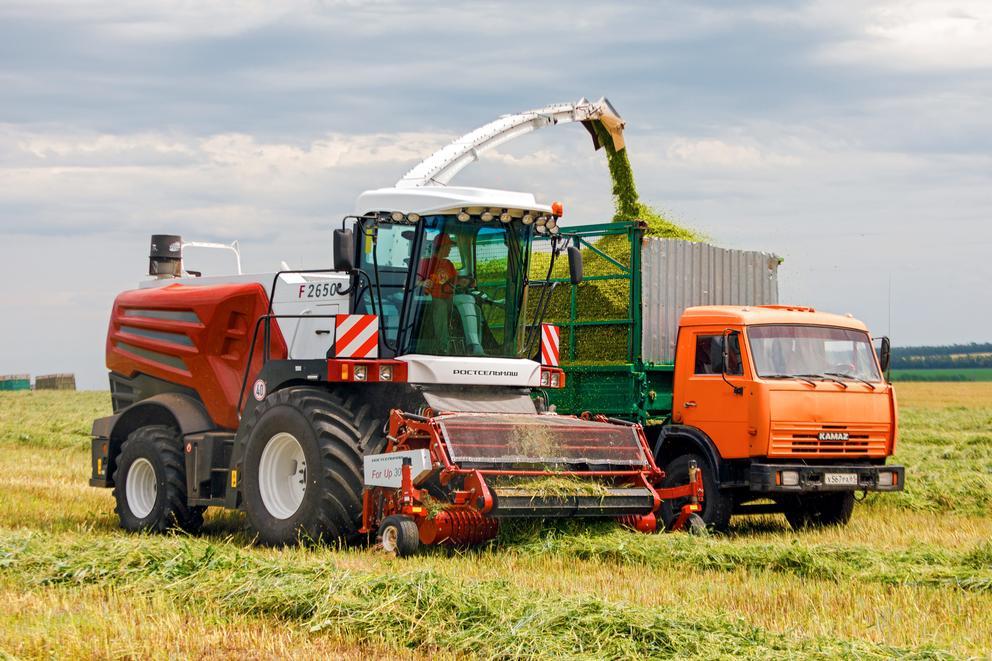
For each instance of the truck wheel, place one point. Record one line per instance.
(717, 505)
(819, 510)
(150, 483)
(399, 535)
(302, 469)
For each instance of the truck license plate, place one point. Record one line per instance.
(841, 478)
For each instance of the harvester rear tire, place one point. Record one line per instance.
(152, 462)
(717, 505)
(819, 510)
(334, 431)
(399, 535)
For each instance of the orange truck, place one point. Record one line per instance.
(784, 408)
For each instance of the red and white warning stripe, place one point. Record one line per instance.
(550, 345)
(356, 336)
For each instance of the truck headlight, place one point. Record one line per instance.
(886, 478)
(385, 372)
(789, 478)
(361, 372)
(545, 379)
(555, 380)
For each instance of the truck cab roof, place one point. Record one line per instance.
(751, 315)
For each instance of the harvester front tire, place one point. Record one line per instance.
(399, 535)
(717, 505)
(150, 483)
(332, 433)
(819, 510)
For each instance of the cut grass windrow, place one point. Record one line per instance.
(923, 565)
(403, 609)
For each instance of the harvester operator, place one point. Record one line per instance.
(438, 277)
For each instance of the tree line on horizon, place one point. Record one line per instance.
(947, 356)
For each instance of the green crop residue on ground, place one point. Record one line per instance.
(911, 575)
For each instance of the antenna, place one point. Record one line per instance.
(889, 333)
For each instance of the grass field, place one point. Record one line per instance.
(910, 577)
(963, 374)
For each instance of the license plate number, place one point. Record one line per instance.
(841, 478)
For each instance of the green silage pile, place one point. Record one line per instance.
(599, 300)
(626, 200)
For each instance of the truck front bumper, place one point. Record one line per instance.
(794, 478)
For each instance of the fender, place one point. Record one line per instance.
(181, 411)
(695, 439)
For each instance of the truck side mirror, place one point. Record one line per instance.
(732, 338)
(344, 250)
(884, 353)
(574, 265)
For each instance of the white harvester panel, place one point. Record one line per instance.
(472, 371)
(386, 470)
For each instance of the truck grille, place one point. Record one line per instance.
(790, 439)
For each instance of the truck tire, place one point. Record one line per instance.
(293, 432)
(717, 504)
(150, 483)
(819, 510)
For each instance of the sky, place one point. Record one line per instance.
(852, 138)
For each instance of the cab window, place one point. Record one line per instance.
(709, 355)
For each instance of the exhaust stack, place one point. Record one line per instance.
(165, 257)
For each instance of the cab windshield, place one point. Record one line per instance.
(812, 351)
(450, 288)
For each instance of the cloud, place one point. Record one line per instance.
(912, 36)
(714, 152)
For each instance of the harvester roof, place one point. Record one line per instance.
(428, 200)
(751, 315)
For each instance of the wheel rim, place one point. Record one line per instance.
(282, 475)
(141, 487)
(389, 539)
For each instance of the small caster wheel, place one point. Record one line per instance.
(695, 525)
(399, 535)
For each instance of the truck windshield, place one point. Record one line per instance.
(809, 351)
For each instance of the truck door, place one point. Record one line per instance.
(703, 399)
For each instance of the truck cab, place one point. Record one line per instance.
(787, 407)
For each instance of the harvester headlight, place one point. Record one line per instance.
(463, 216)
(413, 217)
(551, 224)
(527, 219)
(361, 373)
(789, 478)
(486, 216)
(886, 478)
(555, 380)
(554, 230)
(505, 217)
(545, 379)
(385, 372)
(542, 221)
(541, 229)
(397, 216)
